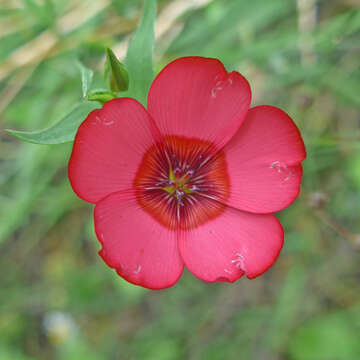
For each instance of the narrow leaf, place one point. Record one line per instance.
(86, 78)
(140, 53)
(63, 131)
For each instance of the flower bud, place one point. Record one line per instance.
(115, 72)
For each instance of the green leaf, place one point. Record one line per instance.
(115, 72)
(86, 78)
(63, 131)
(140, 53)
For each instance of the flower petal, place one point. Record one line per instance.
(234, 243)
(263, 160)
(108, 149)
(140, 249)
(196, 97)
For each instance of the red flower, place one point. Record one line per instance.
(191, 181)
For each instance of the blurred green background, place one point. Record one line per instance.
(58, 300)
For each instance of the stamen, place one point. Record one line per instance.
(179, 195)
(201, 189)
(176, 162)
(166, 181)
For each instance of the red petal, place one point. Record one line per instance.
(234, 243)
(108, 149)
(196, 97)
(263, 161)
(142, 251)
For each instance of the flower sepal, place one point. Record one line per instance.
(101, 95)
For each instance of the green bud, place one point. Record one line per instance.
(115, 72)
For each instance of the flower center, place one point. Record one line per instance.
(182, 182)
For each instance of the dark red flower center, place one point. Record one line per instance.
(182, 182)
